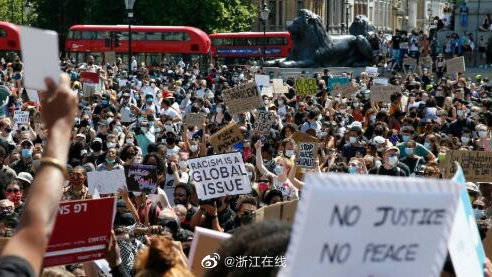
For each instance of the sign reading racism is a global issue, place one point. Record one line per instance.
(219, 175)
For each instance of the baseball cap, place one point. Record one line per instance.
(26, 177)
(472, 187)
(26, 141)
(392, 148)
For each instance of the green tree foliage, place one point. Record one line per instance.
(16, 11)
(208, 15)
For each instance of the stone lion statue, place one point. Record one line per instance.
(361, 26)
(313, 47)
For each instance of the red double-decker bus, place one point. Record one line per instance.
(150, 44)
(250, 45)
(9, 39)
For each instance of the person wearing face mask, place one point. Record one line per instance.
(353, 146)
(357, 166)
(25, 163)
(420, 150)
(111, 162)
(6, 131)
(465, 138)
(390, 163)
(171, 145)
(76, 189)
(288, 146)
(150, 106)
(311, 123)
(413, 161)
(457, 126)
(14, 193)
(483, 140)
(279, 177)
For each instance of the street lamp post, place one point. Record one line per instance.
(264, 13)
(129, 8)
(347, 7)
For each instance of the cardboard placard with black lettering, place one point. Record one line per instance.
(382, 93)
(370, 224)
(242, 98)
(284, 211)
(264, 120)
(345, 90)
(219, 175)
(140, 177)
(409, 61)
(476, 165)
(307, 150)
(455, 65)
(226, 137)
(194, 119)
(305, 86)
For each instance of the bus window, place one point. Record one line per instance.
(138, 36)
(87, 35)
(153, 36)
(176, 36)
(261, 41)
(74, 35)
(3, 33)
(277, 41)
(223, 42)
(103, 35)
(240, 42)
(123, 35)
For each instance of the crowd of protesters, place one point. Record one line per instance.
(408, 136)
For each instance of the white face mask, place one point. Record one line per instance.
(183, 164)
(129, 140)
(482, 134)
(219, 109)
(377, 163)
(111, 145)
(372, 117)
(465, 139)
(353, 139)
(289, 153)
(168, 127)
(193, 148)
(393, 160)
(278, 170)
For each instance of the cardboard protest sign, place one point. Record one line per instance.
(267, 91)
(382, 93)
(226, 137)
(219, 175)
(21, 117)
(242, 98)
(40, 56)
(475, 165)
(306, 86)
(262, 81)
(370, 225)
(342, 80)
(410, 61)
(106, 182)
(82, 231)
(203, 251)
(194, 119)
(141, 177)
(465, 247)
(279, 87)
(284, 211)
(264, 121)
(455, 65)
(345, 90)
(372, 71)
(307, 147)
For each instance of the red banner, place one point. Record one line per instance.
(89, 77)
(82, 232)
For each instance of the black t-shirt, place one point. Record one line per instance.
(396, 171)
(395, 41)
(11, 266)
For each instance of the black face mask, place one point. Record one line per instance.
(169, 169)
(170, 141)
(247, 218)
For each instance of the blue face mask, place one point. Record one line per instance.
(479, 214)
(427, 145)
(409, 151)
(405, 138)
(26, 153)
(353, 170)
(105, 102)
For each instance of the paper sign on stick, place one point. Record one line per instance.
(370, 225)
(219, 175)
(107, 181)
(262, 81)
(40, 57)
(279, 87)
(21, 117)
(82, 231)
(475, 164)
(456, 65)
(203, 250)
(465, 247)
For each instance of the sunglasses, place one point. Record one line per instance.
(13, 190)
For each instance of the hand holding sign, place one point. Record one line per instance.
(40, 55)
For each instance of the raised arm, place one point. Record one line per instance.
(259, 161)
(59, 108)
